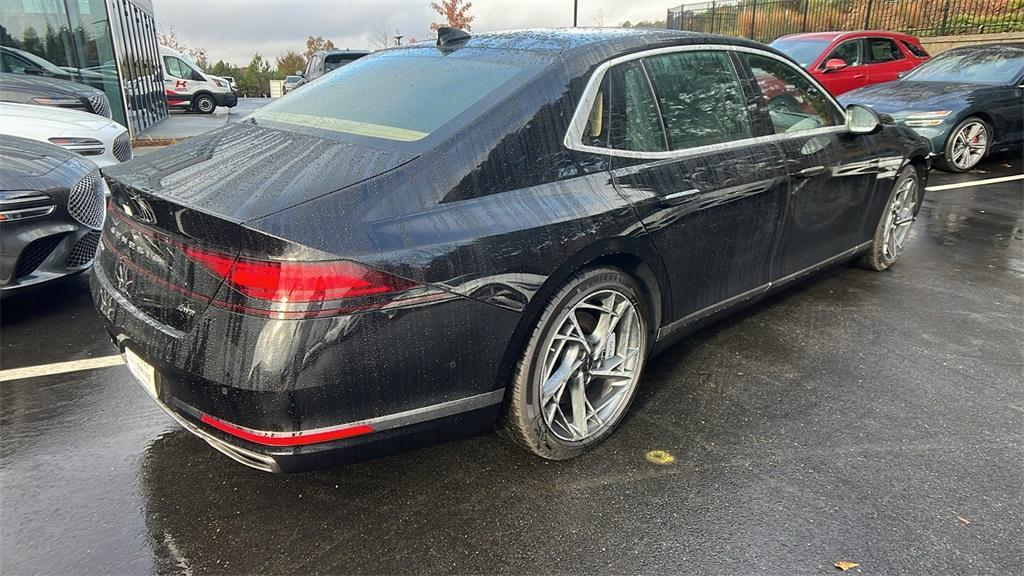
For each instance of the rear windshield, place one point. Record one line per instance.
(401, 96)
(292, 78)
(804, 51)
(976, 67)
(334, 61)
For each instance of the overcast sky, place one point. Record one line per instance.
(233, 30)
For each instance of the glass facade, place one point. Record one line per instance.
(108, 44)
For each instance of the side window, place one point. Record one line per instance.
(882, 50)
(794, 103)
(849, 52)
(915, 49)
(173, 67)
(624, 115)
(700, 97)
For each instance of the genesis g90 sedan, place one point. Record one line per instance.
(492, 230)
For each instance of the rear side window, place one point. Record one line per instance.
(915, 49)
(794, 103)
(849, 52)
(882, 50)
(700, 97)
(625, 115)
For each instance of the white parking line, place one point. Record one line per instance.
(60, 368)
(975, 183)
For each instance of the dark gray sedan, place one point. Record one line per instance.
(23, 89)
(51, 210)
(968, 102)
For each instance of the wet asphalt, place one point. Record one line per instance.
(875, 418)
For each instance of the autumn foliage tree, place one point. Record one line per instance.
(289, 62)
(455, 13)
(314, 43)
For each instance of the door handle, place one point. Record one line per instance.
(677, 198)
(810, 172)
(859, 76)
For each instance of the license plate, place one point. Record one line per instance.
(142, 370)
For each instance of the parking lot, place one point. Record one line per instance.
(858, 416)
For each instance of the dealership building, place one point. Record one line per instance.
(108, 44)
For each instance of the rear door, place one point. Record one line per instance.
(831, 172)
(684, 154)
(885, 60)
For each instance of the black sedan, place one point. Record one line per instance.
(967, 102)
(51, 213)
(24, 89)
(500, 229)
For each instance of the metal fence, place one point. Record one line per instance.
(766, 20)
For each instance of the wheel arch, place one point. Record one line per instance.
(201, 93)
(634, 255)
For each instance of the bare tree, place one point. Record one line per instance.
(383, 36)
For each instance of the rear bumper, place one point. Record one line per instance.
(413, 377)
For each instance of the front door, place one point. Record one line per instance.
(831, 172)
(855, 75)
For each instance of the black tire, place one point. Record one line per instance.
(523, 421)
(877, 257)
(946, 163)
(204, 104)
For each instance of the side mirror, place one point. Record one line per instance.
(833, 64)
(862, 120)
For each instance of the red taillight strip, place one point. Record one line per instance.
(287, 438)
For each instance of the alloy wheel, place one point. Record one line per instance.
(969, 145)
(590, 366)
(899, 219)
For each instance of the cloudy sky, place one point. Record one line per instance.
(234, 29)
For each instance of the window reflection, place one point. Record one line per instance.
(81, 41)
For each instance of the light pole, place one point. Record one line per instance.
(575, 11)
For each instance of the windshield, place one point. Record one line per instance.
(804, 51)
(403, 96)
(292, 79)
(37, 61)
(976, 67)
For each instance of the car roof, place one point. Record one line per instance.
(840, 35)
(590, 44)
(343, 52)
(994, 47)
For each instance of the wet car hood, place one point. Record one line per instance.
(909, 96)
(244, 171)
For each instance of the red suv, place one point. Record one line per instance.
(842, 61)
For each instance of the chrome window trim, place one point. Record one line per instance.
(574, 135)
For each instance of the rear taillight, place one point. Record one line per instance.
(289, 281)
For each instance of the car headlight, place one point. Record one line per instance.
(218, 83)
(933, 118)
(57, 101)
(18, 205)
(83, 146)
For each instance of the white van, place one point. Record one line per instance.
(189, 87)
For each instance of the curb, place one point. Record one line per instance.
(143, 142)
